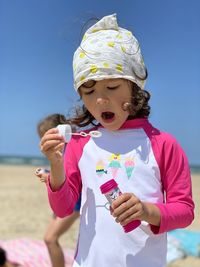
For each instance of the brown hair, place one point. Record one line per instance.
(139, 107)
(49, 122)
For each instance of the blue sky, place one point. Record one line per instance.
(37, 41)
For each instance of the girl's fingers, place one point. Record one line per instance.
(128, 219)
(121, 199)
(52, 131)
(51, 144)
(124, 206)
(59, 147)
(51, 137)
(55, 152)
(127, 214)
(127, 198)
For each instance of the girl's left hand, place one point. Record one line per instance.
(126, 208)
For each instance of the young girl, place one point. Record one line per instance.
(149, 166)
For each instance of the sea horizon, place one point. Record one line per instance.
(42, 161)
(23, 160)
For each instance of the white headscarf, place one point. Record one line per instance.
(108, 51)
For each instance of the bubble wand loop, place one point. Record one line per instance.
(66, 131)
(91, 133)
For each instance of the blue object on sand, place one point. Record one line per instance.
(188, 240)
(174, 249)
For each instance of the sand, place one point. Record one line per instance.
(25, 211)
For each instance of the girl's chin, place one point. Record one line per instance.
(111, 126)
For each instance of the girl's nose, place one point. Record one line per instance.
(102, 101)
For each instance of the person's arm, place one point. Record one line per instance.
(178, 209)
(57, 174)
(64, 195)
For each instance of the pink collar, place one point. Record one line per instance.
(131, 124)
(135, 123)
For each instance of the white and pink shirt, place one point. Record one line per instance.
(142, 160)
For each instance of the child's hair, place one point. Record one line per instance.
(2, 257)
(49, 122)
(139, 107)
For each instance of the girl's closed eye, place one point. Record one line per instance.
(113, 87)
(88, 92)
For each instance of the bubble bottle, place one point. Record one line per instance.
(111, 191)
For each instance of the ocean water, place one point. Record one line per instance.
(195, 169)
(20, 160)
(42, 161)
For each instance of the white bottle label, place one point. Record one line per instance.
(112, 195)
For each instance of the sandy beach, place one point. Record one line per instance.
(25, 211)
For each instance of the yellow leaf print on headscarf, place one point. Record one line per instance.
(123, 49)
(82, 78)
(74, 66)
(129, 33)
(95, 30)
(119, 67)
(82, 55)
(93, 69)
(84, 37)
(106, 65)
(111, 44)
(119, 36)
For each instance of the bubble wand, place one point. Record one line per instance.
(66, 131)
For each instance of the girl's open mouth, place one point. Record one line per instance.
(108, 116)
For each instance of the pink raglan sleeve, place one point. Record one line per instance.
(178, 209)
(63, 200)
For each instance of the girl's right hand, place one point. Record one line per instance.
(52, 144)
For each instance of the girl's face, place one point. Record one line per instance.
(105, 99)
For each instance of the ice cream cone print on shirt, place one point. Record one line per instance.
(100, 169)
(129, 166)
(114, 164)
